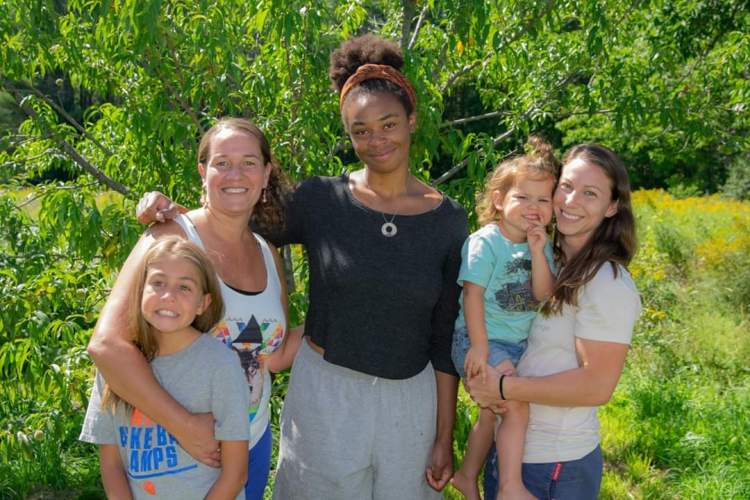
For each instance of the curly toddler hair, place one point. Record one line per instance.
(538, 163)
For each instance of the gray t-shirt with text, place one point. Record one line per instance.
(204, 377)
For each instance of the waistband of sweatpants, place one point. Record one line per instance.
(310, 356)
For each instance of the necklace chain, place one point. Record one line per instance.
(389, 228)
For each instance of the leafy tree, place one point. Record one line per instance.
(105, 99)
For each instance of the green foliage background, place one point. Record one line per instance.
(101, 100)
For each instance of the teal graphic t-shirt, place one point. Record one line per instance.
(503, 269)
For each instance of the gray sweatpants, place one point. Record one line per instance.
(349, 436)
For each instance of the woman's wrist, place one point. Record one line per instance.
(507, 384)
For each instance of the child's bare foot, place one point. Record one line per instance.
(467, 486)
(515, 492)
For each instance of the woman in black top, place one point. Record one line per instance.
(384, 252)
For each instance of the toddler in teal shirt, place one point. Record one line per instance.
(506, 271)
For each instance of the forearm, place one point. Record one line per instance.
(577, 387)
(233, 472)
(474, 314)
(590, 384)
(284, 356)
(542, 279)
(447, 393)
(114, 480)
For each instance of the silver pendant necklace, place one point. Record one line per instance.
(388, 228)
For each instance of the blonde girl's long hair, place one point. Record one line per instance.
(539, 163)
(613, 242)
(139, 330)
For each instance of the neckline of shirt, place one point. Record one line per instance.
(495, 228)
(358, 203)
(246, 293)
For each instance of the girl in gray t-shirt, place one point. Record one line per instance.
(178, 298)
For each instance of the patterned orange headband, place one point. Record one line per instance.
(382, 71)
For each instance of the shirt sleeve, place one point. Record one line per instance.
(230, 399)
(293, 228)
(99, 423)
(608, 307)
(446, 310)
(477, 260)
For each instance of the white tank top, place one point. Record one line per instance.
(253, 326)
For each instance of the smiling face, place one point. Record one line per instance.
(234, 172)
(583, 199)
(527, 203)
(172, 294)
(380, 130)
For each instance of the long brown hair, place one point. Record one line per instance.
(538, 164)
(268, 215)
(140, 331)
(614, 241)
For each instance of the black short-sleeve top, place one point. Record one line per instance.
(383, 306)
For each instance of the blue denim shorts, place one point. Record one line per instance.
(574, 480)
(499, 350)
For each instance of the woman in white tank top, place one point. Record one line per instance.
(240, 184)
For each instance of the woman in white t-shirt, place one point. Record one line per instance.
(578, 344)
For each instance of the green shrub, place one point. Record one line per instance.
(738, 179)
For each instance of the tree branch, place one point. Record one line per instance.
(459, 166)
(409, 10)
(497, 140)
(525, 25)
(31, 199)
(70, 119)
(458, 74)
(414, 35)
(469, 119)
(181, 80)
(70, 150)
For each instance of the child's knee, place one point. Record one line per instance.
(516, 410)
(486, 417)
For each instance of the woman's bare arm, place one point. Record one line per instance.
(283, 357)
(440, 469)
(128, 373)
(591, 384)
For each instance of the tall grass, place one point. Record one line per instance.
(677, 426)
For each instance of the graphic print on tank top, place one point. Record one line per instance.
(253, 342)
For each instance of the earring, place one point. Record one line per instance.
(204, 195)
(263, 198)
